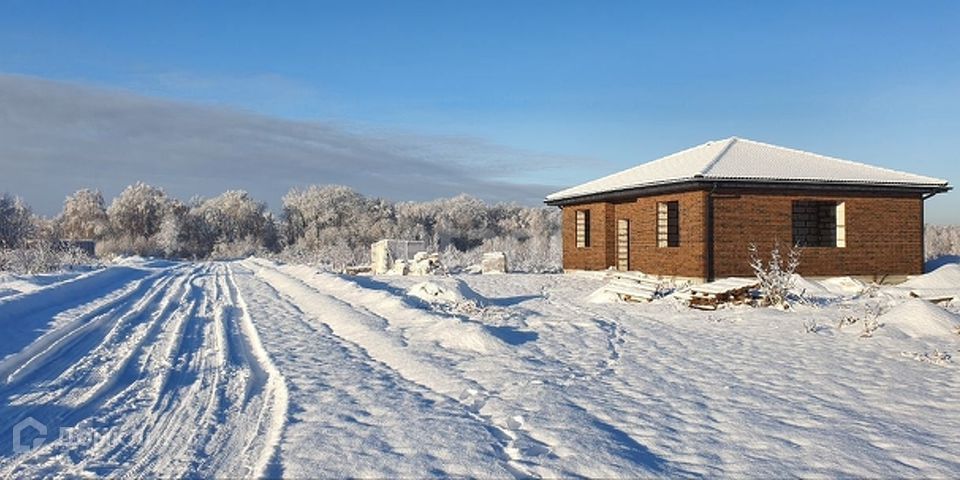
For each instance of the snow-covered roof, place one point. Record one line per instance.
(738, 159)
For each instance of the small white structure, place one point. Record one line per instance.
(385, 253)
(494, 262)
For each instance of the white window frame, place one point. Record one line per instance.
(664, 224)
(582, 228)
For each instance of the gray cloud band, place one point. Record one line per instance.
(56, 137)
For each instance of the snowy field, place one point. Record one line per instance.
(248, 368)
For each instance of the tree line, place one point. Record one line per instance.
(327, 224)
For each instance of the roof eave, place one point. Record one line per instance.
(702, 182)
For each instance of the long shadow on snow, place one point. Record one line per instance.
(625, 447)
(512, 335)
(463, 287)
(509, 335)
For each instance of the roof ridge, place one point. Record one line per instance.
(706, 168)
(657, 160)
(837, 159)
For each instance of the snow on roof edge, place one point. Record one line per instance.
(703, 173)
(836, 159)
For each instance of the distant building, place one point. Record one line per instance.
(694, 213)
(385, 253)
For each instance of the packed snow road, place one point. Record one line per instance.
(252, 369)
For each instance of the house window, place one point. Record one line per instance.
(583, 228)
(668, 224)
(819, 224)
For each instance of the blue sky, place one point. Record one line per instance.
(588, 87)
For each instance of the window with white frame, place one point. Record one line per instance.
(818, 223)
(583, 228)
(668, 224)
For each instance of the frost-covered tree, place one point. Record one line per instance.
(236, 224)
(136, 217)
(322, 216)
(16, 222)
(941, 240)
(138, 211)
(461, 221)
(84, 216)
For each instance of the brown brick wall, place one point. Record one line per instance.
(600, 254)
(883, 234)
(686, 260)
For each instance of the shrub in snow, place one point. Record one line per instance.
(936, 357)
(845, 321)
(811, 326)
(870, 325)
(42, 257)
(869, 320)
(776, 275)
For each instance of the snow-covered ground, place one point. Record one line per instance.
(255, 369)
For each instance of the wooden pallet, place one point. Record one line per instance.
(709, 296)
(633, 286)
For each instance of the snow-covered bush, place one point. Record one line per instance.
(42, 257)
(776, 274)
(812, 326)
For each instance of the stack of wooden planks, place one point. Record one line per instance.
(709, 296)
(633, 286)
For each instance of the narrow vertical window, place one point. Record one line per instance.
(841, 225)
(819, 224)
(623, 245)
(583, 228)
(668, 224)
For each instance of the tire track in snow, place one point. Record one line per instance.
(170, 404)
(353, 416)
(76, 372)
(272, 416)
(531, 438)
(213, 416)
(95, 316)
(96, 376)
(356, 325)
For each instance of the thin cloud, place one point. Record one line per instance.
(57, 137)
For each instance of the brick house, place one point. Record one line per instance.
(693, 214)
